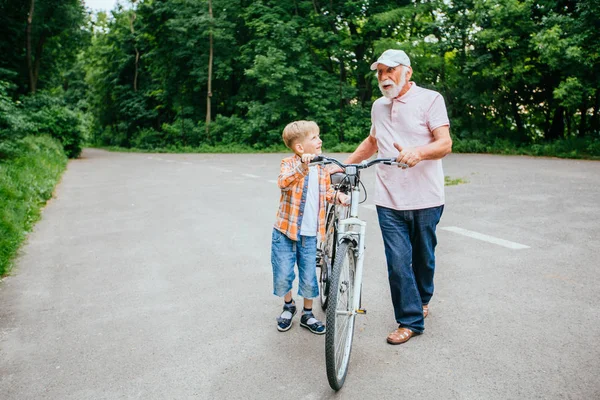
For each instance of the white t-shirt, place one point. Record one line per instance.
(408, 121)
(311, 207)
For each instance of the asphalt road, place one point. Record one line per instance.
(149, 277)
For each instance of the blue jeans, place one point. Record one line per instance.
(285, 253)
(409, 239)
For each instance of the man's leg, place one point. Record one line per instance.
(396, 229)
(424, 242)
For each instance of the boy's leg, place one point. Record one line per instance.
(283, 260)
(308, 286)
(308, 303)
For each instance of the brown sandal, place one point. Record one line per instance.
(425, 310)
(400, 335)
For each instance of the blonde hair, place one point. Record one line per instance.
(298, 130)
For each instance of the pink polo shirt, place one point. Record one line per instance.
(408, 121)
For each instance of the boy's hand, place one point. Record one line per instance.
(343, 199)
(306, 158)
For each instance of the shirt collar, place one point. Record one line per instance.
(406, 96)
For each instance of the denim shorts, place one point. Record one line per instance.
(285, 253)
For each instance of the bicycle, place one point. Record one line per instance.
(327, 247)
(345, 243)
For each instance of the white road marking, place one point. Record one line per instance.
(272, 181)
(251, 176)
(370, 206)
(486, 238)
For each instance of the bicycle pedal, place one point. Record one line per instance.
(361, 311)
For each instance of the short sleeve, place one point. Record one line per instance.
(373, 132)
(437, 116)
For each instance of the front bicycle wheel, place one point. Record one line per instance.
(340, 315)
(327, 255)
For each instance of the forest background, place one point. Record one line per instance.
(518, 77)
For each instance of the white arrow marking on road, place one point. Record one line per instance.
(272, 181)
(251, 176)
(485, 238)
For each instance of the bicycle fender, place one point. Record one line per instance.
(349, 238)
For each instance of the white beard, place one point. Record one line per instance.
(394, 91)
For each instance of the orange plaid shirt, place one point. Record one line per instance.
(293, 183)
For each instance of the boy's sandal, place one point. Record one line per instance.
(400, 335)
(284, 321)
(309, 322)
(425, 310)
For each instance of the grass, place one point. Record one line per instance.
(448, 181)
(578, 148)
(26, 183)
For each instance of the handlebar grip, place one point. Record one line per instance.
(317, 159)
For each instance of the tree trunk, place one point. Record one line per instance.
(132, 18)
(557, 129)
(362, 84)
(518, 120)
(32, 81)
(342, 80)
(38, 59)
(595, 128)
(210, 65)
(583, 119)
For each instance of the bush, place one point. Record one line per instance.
(149, 139)
(227, 130)
(62, 124)
(49, 115)
(13, 124)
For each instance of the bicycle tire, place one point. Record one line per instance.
(340, 316)
(328, 247)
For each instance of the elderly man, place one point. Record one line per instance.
(411, 124)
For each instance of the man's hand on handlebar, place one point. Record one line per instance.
(333, 169)
(411, 157)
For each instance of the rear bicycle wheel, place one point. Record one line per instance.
(340, 315)
(327, 247)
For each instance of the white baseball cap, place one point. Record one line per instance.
(391, 58)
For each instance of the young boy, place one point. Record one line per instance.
(300, 220)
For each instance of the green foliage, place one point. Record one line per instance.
(49, 116)
(517, 70)
(26, 183)
(514, 73)
(13, 124)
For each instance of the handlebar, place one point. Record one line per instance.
(364, 164)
